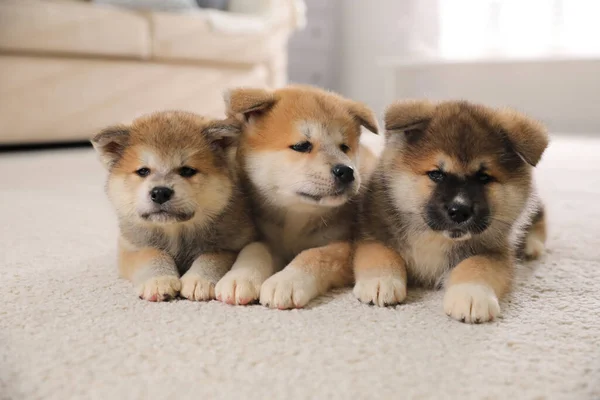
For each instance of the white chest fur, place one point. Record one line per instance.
(292, 235)
(173, 232)
(427, 257)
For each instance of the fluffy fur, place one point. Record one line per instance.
(179, 207)
(451, 204)
(299, 159)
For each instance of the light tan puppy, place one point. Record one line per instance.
(451, 204)
(179, 207)
(299, 159)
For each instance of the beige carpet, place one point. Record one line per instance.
(70, 329)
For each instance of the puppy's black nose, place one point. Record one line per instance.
(460, 212)
(343, 173)
(161, 194)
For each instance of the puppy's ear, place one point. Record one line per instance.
(111, 143)
(245, 103)
(409, 118)
(364, 115)
(223, 133)
(527, 136)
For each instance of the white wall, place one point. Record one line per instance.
(374, 29)
(314, 52)
(565, 95)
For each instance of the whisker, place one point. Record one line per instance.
(508, 223)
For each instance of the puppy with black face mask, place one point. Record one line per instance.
(451, 204)
(179, 207)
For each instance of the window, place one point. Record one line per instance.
(518, 28)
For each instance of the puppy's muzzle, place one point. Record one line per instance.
(161, 194)
(343, 174)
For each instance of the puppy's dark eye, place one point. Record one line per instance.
(345, 148)
(143, 172)
(302, 147)
(436, 176)
(484, 178)
(187, 172)
(413, 132)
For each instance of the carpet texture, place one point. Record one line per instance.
(70, 329)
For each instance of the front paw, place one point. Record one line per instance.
(290, 288)
(471, 302)
(534, 247)
(381, 291)
(159, 288)
(196, 288)
(238, 288)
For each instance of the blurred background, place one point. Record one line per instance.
(70, 67)
(541, 56)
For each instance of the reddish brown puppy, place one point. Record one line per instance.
(301, 163)
(179, 207)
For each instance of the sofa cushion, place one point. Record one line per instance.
(157, 5)
(72, 27)
(217, 36)
(45, 99)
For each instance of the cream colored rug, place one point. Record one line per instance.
(70, 329)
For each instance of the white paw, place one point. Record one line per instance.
(196, 288)
(471, 302)
(534, 248)
(290, 288)
(381, 291)
(159, 288)
(238, 287)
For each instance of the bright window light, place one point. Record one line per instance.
(518, 28)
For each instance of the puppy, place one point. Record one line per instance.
(451, 203)
(179, 208)
(299, 160)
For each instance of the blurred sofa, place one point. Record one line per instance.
(70, 67)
